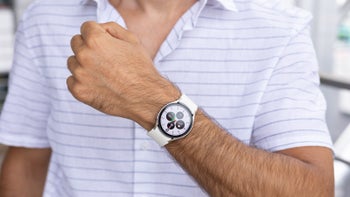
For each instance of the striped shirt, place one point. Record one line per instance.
(249, 64)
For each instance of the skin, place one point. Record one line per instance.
(112, 71)
(118, 76)
(23, 172)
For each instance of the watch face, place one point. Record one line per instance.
(175, 120)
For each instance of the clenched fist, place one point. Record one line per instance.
(112, 72)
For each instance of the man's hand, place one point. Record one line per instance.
(112, 72)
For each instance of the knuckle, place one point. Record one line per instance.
(70, 82)
(81, 92)
(82, 55)
(78, 72)
(78, 91)
(87, 25)
(73, 86)
(74, 39)
(76, 43)
(70, 61)
(94, 41)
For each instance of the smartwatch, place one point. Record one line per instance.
(174, 121)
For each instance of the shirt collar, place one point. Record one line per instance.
(227, 4)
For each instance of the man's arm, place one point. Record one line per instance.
(112, 73)
(24, 172)
(223, 166)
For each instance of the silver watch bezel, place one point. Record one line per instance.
(174, 137)
(160, 136)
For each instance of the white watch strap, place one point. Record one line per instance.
(158, 136)
(189, 103)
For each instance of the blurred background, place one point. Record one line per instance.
(331, 35)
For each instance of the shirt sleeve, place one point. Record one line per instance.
(292, 109)
(24, 115)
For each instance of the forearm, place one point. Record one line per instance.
(223, 166)
(20, 184)
(132, 88)
(22, 177)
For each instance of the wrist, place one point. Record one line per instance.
(146, 117)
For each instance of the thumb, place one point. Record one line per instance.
(119, 32)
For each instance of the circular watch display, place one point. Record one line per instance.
(175, 120)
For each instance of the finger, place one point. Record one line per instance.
(91, 28)
(70, 83)
(72, 64)
(73, 87)
(76, 43)
(119, 32)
